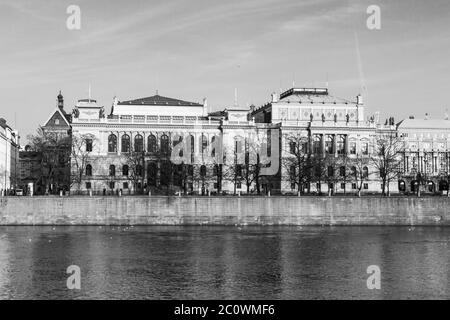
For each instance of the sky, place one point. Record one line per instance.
(192, 49)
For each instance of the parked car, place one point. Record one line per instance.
(19, 192)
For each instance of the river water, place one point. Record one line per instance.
(224, 262)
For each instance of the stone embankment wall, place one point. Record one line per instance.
(274, 210)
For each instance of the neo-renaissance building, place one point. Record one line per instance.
(9, 155)
(128, 149)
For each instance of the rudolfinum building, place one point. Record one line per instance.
(303, 140)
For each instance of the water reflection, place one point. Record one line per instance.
(224, 262)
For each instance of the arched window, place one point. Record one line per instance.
(354, 172)
(340, 145)
(164, 144)
(125, 170)
(89, 170)
(329, 144)
(138, 143)
(152, 145)
(112, 143)
(112, 170)
(365, 172)
(317, 144)
(191, 141)
(202, 143)
(125, 143)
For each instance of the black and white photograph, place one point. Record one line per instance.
(224, 156)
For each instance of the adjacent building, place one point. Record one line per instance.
(9, 155)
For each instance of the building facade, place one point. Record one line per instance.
(315, 142)
(426, 155)
(9, 155)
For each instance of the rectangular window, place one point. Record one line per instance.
(292, 186)
(88, 185)
(354, 186)
(353, 148)
(88, 145)
(125, 185)
(215, 185)
(112, 185)
(238, 185)
(342, 185)
(366, 186)
(365, 148)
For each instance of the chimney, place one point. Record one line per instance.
(274, 97)
(446, 114)
(426, 116)
(359, 99)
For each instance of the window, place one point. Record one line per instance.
(365, 148)
(139, 170)
(238, 185)
(352, 147)
(112, 184)
(292, 172)
(342, 185)
(125, 170)
(239, 170)
(354, 172)
(166, 173)
(366, 186)
(125, 143)
(112, 170)
(164, 144)
(89, 170)
(354, 186)
(125, 185)
(342, 171)
(112, 143)
(138, 143)
(330, 171)
(56, 121)
(340, 145)
(152, 172)
(88, 185)
(329, 144)
(317, 144)
(88, 145)
(292, 147)
(365, 172)
(238, 145)
(203, 171)
(152, 146)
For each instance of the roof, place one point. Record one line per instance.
(424, 124)
(311, 95)
(160, 101)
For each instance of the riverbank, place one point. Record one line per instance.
(274, 210)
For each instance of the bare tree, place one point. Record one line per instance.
(386, 158)
(359, 171)
(297, 160)
(135, 160)
(55, 149)
(82, 148)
